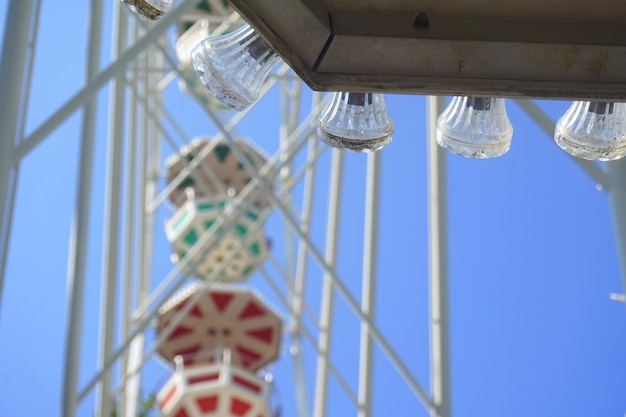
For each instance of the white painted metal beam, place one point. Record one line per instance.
(368, 282)
(12, 72)
(111, 226)
(79, 240)
(438, 266)
(324, 342)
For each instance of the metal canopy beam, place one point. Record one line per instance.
(549, 49)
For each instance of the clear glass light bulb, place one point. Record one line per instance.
(475, 127)
(594, 130)
(357, 122)
(234, 66)
(149, 9)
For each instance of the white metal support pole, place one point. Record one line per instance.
(368, 291)
(129, 251)
(288, 126)
(12, 70)
(616, 171)
(149, 167)
(295, 349)
(111, 237)
(136, 348)
(77, 262)
(438, 267)
(326, 311)
(289, 109)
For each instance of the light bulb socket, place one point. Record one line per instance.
(479, 103)
(358, 99)
(601, 107)
(256, 46)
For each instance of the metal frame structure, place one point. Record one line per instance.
(140, 68)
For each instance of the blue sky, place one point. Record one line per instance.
(531, 248)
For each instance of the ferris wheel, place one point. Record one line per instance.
(216, 192)
(240, 253)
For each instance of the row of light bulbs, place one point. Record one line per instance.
(233, 67)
